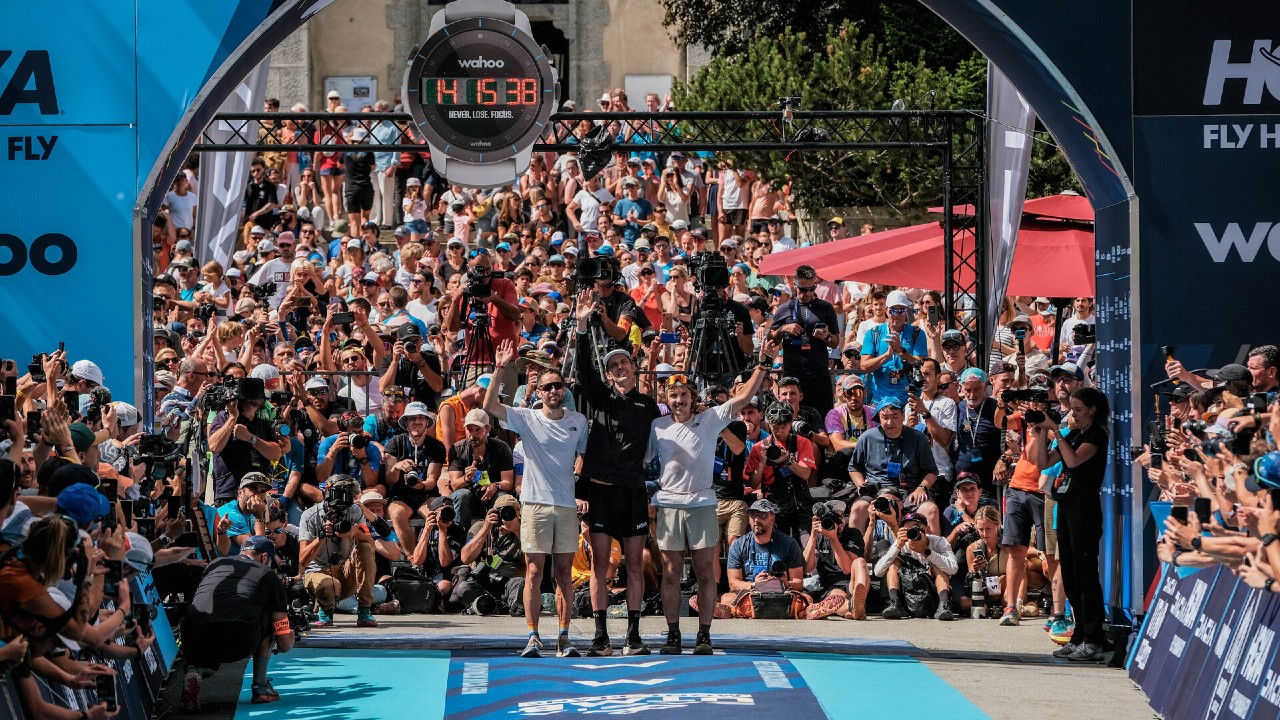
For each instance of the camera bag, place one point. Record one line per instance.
(416, 592)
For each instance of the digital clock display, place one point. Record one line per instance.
(488, 91)
(479, 88)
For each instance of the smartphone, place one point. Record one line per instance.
(115, 570)
(36, 368)
(127, 508)
(343, 318)
(8, 407)
(173, 505)
(1179, 513)
(1203, 507)
(11, 385)
(669, 337)
(1157, 461)
(107, 486)
(33, 424)
(105, 687)
(935, 316)
(335, 300)
(1167, 352)
(72, 399)
(1275, 499)
(819, 326)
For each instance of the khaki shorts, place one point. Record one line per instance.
(1050, 535)
(731, 516)
(548, 529)
(681, 529)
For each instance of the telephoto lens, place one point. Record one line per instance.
(447, 514)
(506, 513)
(914, 533)
(882, 504)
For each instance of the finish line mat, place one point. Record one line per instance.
(479, 685)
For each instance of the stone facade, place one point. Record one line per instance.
(605, 40)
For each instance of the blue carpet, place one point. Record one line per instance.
(319, 684)
(848, 686)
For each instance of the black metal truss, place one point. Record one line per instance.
(959, 136)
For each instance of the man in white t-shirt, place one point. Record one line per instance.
(1082, 314)
(551, 438)
(277, 267)
(685, 443)
(586, 206)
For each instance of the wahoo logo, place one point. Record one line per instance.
(1260, 70)
(1233, 236)
(480, 62)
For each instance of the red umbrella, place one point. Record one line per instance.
(1067, 206)
(785, 263)
(1052, 259)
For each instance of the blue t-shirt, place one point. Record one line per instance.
(644, 211)
(295, 459)
(346, 461)
(890, 381)
(953, 517)
(241, 524)
(752, 558)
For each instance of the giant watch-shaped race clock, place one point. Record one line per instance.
(480, 90)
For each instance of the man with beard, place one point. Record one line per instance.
(845, 425)
(782, 467)
(891, 349)
(685, 444)
(415, 459)
(614, 477)
(808, 328)
(553, 437)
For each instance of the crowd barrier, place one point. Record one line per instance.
(1207, 647)
(138, 680)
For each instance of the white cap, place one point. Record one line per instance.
(139, 554)
(476, 416)
(126, 414)
(257, 230)
(371, 496)
(897, 298)
(87, 370)
(333, 95)
(316, 383)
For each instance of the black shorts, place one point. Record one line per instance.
(734, 217)
(1023, 512)
(359, 199)
(208, 645)
(758, 224)
(616, 511)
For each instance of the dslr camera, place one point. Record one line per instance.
(594, 269)
(1031, 394)
(914, 533)
(205, 311)
(264, 292)
(827, 515)
(479, 283)
(338, 498)
(775, 456)
(1082, 334)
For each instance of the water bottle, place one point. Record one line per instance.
(978, 594)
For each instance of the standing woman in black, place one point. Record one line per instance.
(1078, 492)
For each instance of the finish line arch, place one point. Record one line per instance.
(114, 102)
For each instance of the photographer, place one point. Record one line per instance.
(416, 458)
(239, 609)
(809, 422)
(1024, 500)
(609, 307)
(894, 456)
(613, 476)
(552, 438)
(350, 452)
(917, 565)
(979, 418)
(486, 294)
(240, 441)
(337, 553)
(1028, 357)
(782, 468)
(836, 552)
(244, 517)
(763, 558)
(439, 549)
(685, 444)
(494, 562)
(480, 467)
(414, 365)
(808, 328)
(889, 351)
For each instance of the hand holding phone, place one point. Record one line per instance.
(105, 688)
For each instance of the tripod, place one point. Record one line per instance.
(713, 354)
(479, 353)
(568, 331)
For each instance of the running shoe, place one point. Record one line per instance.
(702, 645)
(191, 686)
(565, 648)
(1011, 617)
(673, 644)
(533, 649)
(600, 647)
(324, 618)
(264, 693)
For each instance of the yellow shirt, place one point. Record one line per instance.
(582, 560)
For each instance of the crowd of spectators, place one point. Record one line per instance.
(365, 397)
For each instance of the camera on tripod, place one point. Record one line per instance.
(709, 270)
(479, 283)
(595, 269)
(264, 292)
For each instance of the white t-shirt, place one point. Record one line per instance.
(687, 452)
(589, 215)
(730, 192)
(943, 410)
(267, 273)
(424, 312)
(1073, 355)
(549, 454)
(182, 209)
(357, 395)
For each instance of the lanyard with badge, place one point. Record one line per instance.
(970, 427)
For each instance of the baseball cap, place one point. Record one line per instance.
(680, 225)
(476, 416)
(257, 230)
(81, 436)
(354, 243)
(139, 555)
(763, 506)
(506, 500)
(605, 249)
(1181, 392)
(972, 373)
(82, 503)
(333, 95)
(126, 413)
(889, 403)
(914, 517)
(1000, 366)
(416, 409)
(401, 231)
(233, 272)
(1266, 473)
(413, 181)
(642, 244)
(183, 246)
(87, 370)
(316, 383)
(953, 336)
(615, 353)
(484, 380)
(729, 242)
(255, 478)
(630, 182)
(1229, 373)
(260, 544)
(369, 496)
(897, 298)
(503, 246)
(649, 227)
(1069, 368)
(966, 477)
(1020, 320)
(571, 250)
(836, 220)
(556, 259)
(557, 237)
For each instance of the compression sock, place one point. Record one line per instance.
(601, 628)
(945, 597)
(633, 624)
(564, 629)
(704, 629)
(673, 627)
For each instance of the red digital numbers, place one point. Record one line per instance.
(483, 91)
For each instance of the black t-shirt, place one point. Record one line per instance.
(497, 458)
(797, 361)
(410, 376)
(257, 196)
(978, 439)
(1083, 483)
(238, 457)
(237, 589)
(829, 572)
(401, 447)
(359, 169)
(287, 556)
(456, 536)
(620, 424)
(729, 467)
(619, 303)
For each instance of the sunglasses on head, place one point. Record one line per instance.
(678, 380)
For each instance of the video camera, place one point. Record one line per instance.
(205, 311)
(595, 269)
(220, 395)
(1031, 394)
(264, 292)
(99, 398)
(338, 499)
(709, 270)
(159, 454)
(479, 283)
(1082, 334)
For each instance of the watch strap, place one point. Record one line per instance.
(467, 9)
(1267, 585)
(1269, 538)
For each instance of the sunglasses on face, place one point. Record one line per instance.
(897, 311)
(802, 289)
(276, 531)
(551, 386)
(943, 386)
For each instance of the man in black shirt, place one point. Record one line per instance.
(413, 463)
(241, 441)
(259, 198)
(837, 553)
(618, 312)
(239, 609)
(358, 188)
(613, 476)
(479, 468)
(808, 328)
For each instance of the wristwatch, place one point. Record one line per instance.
(1195, 543)
(1268, 539)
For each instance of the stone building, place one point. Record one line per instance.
(360, 48)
